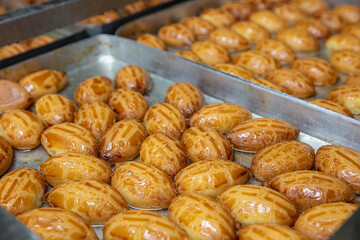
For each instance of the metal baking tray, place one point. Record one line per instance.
(106, 54)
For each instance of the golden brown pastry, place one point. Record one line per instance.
(41, 41)
(333, 20)
(199, 26)
(177, 35)
(257, 62)
(266, 231)
(287, 156)
(106, 17)
(21, 190)
(314, 27)
(54, 109)
(210, 177)
(43, 82)
(244, 203)
(21, 128)
(353, 80)
(69, 137)
(229, 39)
(140, 224)
(74, 166)
(221, 116)
(310, 6)
(278, 50)
(298, 40)
(253, 32)
(350, 12)
(157, 2)
(2, 10)
(233, 70)
(165, 153)
(259, 4)
(255, 134)
(333, 106)
(135, 7)
(133, 77)
(143, 185)
(186, 97)
(346, 61)
(95, 201)
(343, 41)
(268, 84)
(204, 143)
(97, 117)
(6, 155)
(152, 41)
(12, 50)
(340, 162)
(128, 104)
(321, 222)
(289, 12)
(240, 10)
(269, 20)
(353, 29)
(57, 223)
(123, 141)
(319, 71)
(95, 89)
(13, 96)
(308, 189)
(210, 53)
(293, 81)
(189, 56)
(218, 17)
(202, 218)
(348, 96)
(165, 118)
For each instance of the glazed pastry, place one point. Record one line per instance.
(265, 231)
(152, 41)
(157, 2)
(133, 77)
(135, 7)
(310, 6)
(6, 155)
(343, 41)
(346, 61)
(12, 50)
(267, 83)
(240, 10)
(298, 40)
(106, 17)
(278, 50)
(229, 39)
(41, 41)
(348, 96)
(333, 106)
(353, 80)
(177, 35)
(259, 4)
(353, 29)
(2, 10)
(289, 12)
(269, 20)
(189, 56)
(199, 26)
(350, 12)
(218, 17)
(333, 20)
(314, 27)
(233, 70)
(13, 96)
(210, 53)
(21, 128)
(253, 32)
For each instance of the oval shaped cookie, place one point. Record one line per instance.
(314, 27)
(348, 96)
(308, 189)
(353, 29)
(41, 41)
(221, 116)
(97, 117)
(165, 118)
(319, 71)
(268, 84)
(333, 106)
(128, 104)
(199, 26)
(6, 155)
(203, 143)
(54, 109)
(350, 12)
(74, 166)
(346, 61)
(289, 12)
(12, 50)
(202, 217)
(269, 20)
(189, 56)
(240, 10)
(287, 156)
(343, 41)
(151, 41)
(255, 134)
(43, 82)
(333, 20)
(265, 231)
(106, 17)
(293, 81)
(257, 62)
(229, 39)
(218, 17)
(176, 35)
(165, 153)
(321, 222)
(143, 185)
(310, 6)
(95, 201)
(21, 190)
(340, 162)
(353, 80)
(253, 32)
(95, 89)
(233, 70)
(21, 128)
(298, 40)
(250, 204)
(278, 50)
(57, 223)
(69, 137)
(133, 77)
(210, 177)
(186, 97)
(13, 96)
(123, 141)
(210, 53)
(135, 7)
(140, 224)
